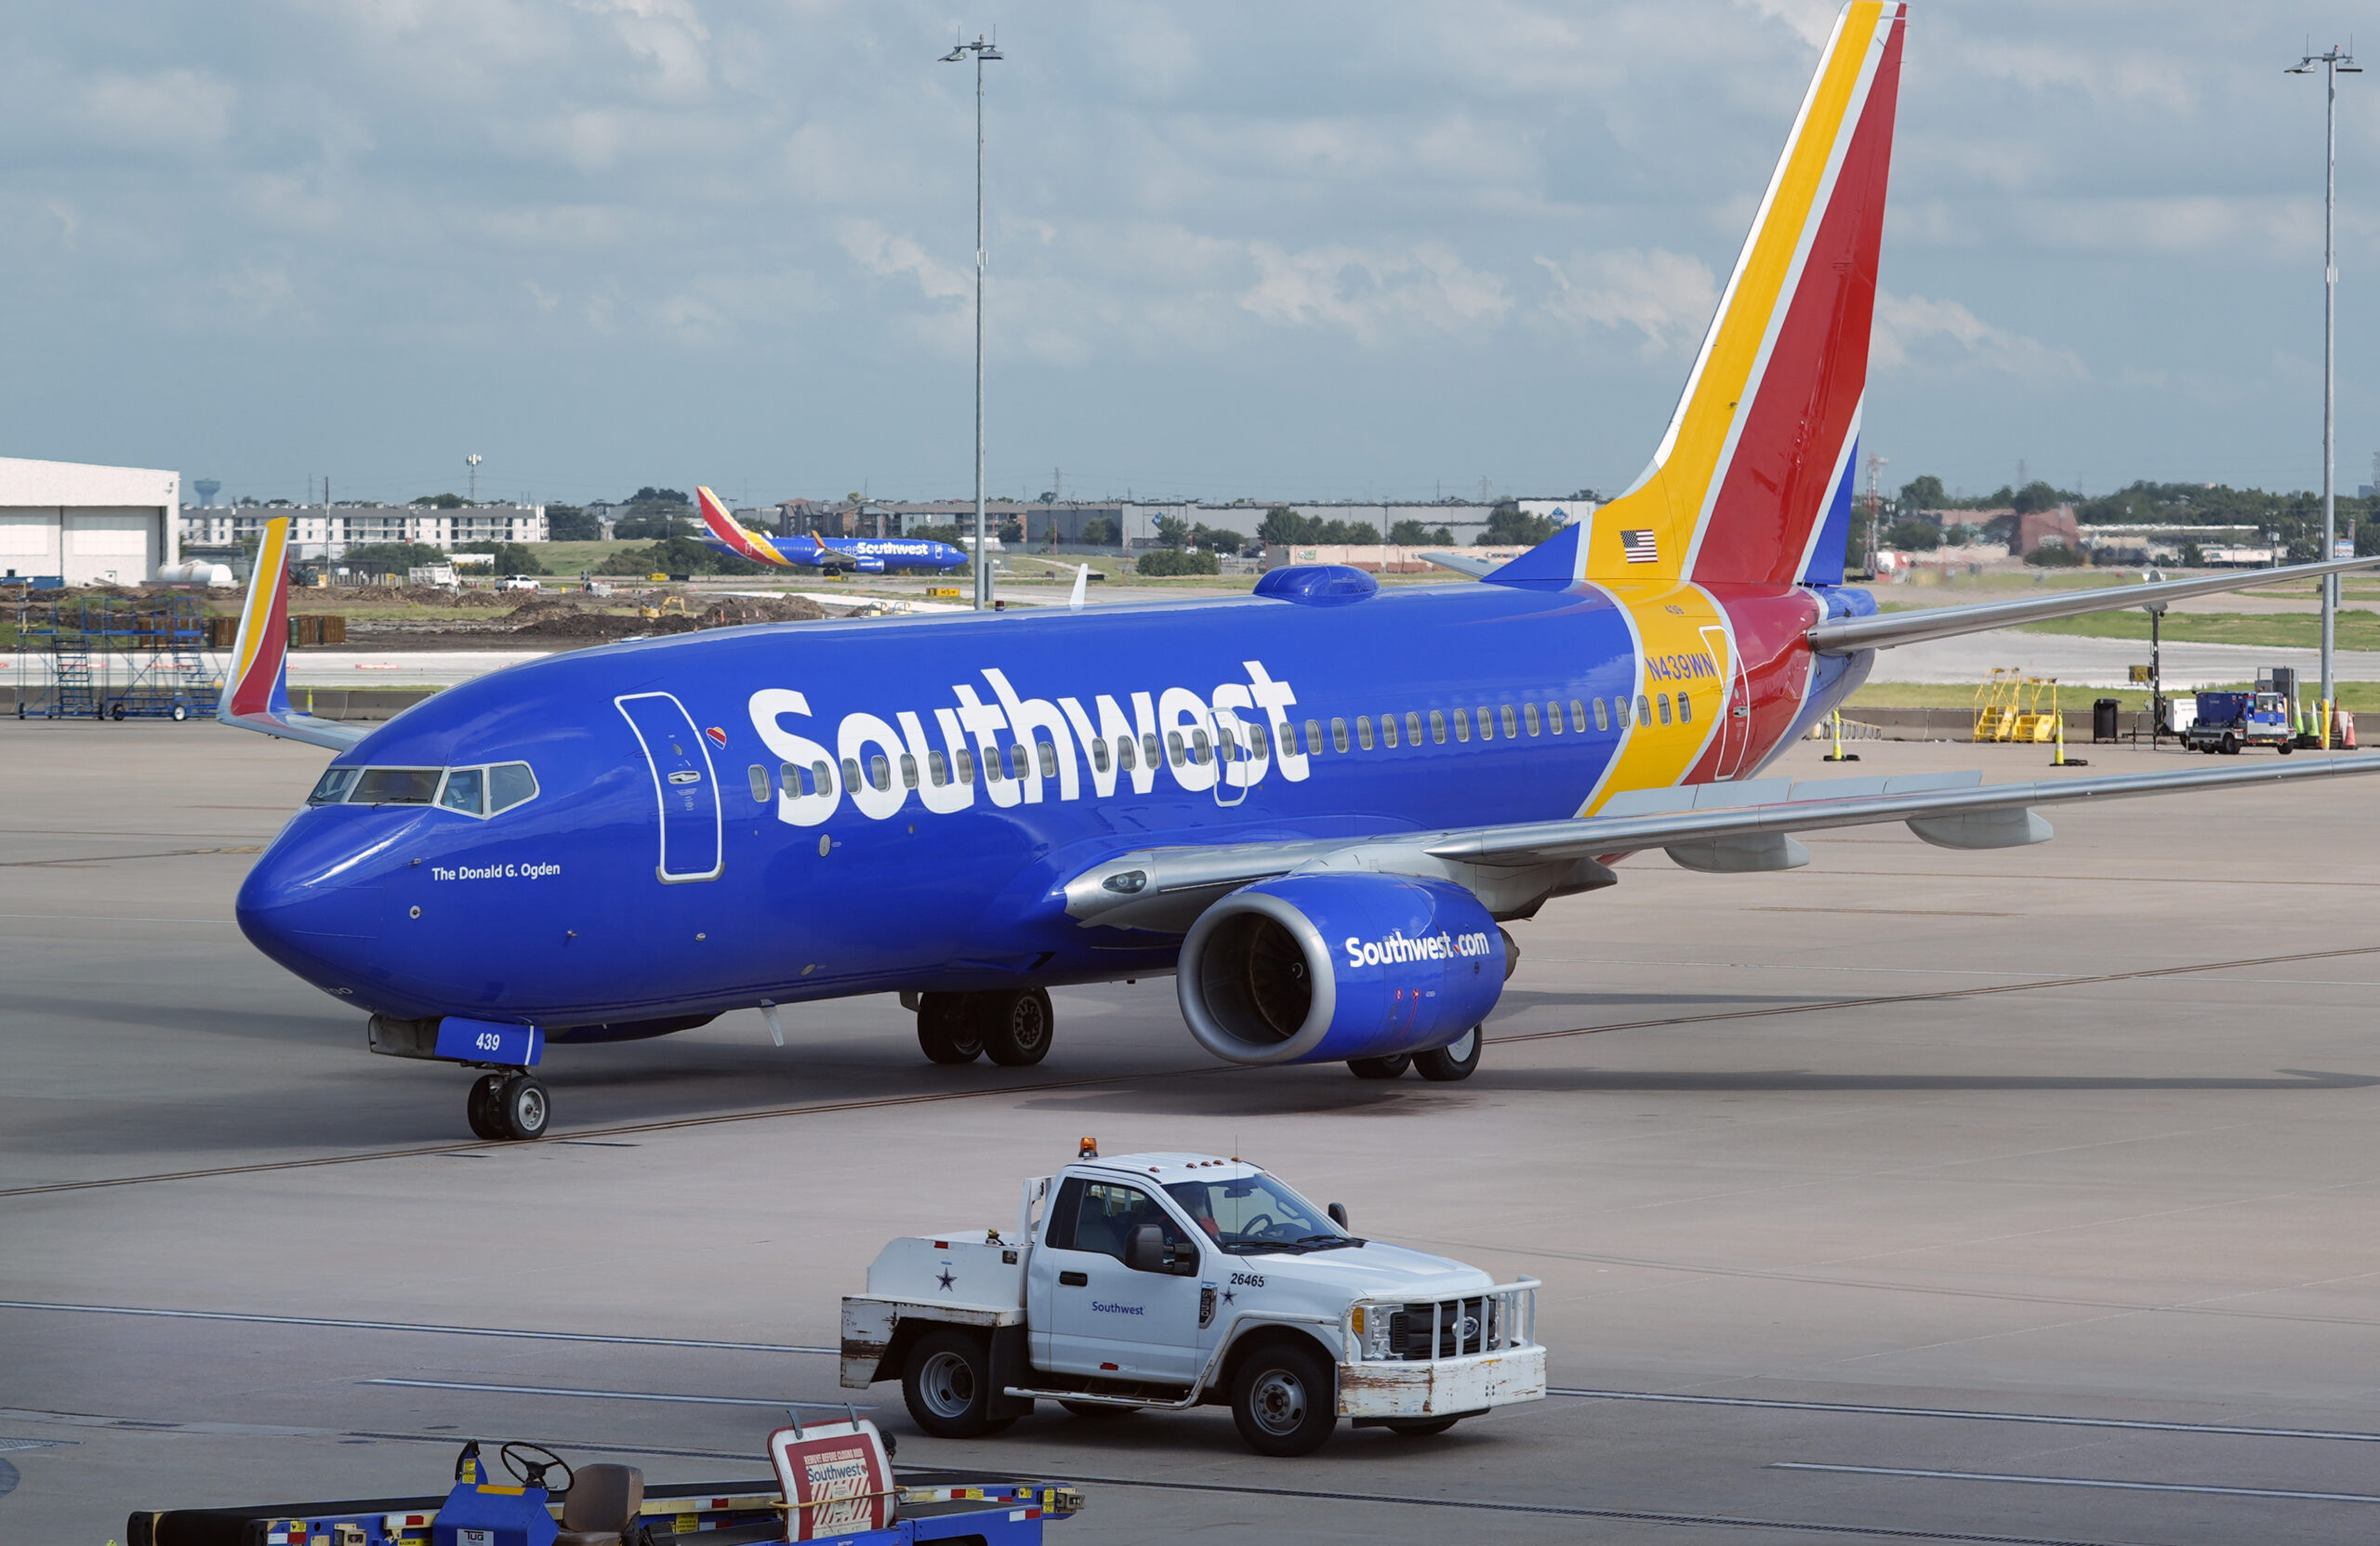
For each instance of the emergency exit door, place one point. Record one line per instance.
(684, 785)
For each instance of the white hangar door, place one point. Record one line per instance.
(28, 541)
(115, 547)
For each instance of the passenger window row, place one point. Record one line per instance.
(1126, 753)
(1506, 720)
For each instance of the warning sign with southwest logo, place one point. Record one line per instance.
(837, 1479)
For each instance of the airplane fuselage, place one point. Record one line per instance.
(809, 810)
(874, 554)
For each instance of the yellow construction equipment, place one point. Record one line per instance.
(669, 603)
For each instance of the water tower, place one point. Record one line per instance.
(207, 489)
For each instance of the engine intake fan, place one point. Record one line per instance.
(1323, 967)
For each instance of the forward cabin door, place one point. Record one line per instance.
(1735, 708)
(684, 785)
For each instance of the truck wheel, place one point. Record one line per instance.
(947, 1385)
(2285, 748)
(1452, 1062)
(1283, 1401)
(947, 1029)
(2231, 745)
(1016, 1027)
(1419, 1427)
(1380, 1069)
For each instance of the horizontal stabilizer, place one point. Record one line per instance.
(1850, 635)
(1461, 563)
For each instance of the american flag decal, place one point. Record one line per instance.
(1639, 546)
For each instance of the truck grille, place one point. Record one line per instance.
(1462, 1328)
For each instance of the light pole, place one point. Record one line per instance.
(2335, 61)
(984, 53)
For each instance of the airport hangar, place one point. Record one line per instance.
(87, 524)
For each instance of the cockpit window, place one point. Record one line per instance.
(463, 789)
(395, 787)
(470, 791)
(509, 784)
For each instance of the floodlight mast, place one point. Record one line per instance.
(2335, 61)
(984, 53)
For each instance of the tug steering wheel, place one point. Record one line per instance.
(530, 1472)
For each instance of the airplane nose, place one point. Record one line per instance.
(313, 907)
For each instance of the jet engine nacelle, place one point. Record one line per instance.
(1321, 968)
(871, 566)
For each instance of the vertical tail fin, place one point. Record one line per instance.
(255, 692)
(730, 534)
(258, 683)
(1761, 449)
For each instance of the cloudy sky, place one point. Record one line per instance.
(1312, 251)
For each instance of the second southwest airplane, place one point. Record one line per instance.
(1314, 805)
(869, 555)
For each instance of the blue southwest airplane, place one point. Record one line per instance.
(1316, 805)
(869, 555)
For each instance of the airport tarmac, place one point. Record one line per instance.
(2017, 1196)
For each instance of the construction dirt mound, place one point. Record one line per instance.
(735, 611)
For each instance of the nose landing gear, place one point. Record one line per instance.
(513, 1106)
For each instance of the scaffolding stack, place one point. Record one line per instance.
(114, 657)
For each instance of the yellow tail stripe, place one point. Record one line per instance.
(263, 580)
(1670, 499)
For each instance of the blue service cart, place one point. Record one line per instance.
(834, 1484)
(2229, 721)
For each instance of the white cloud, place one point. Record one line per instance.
(1667, 298)
(1374, 296)
(889, 257)
(261, 291)
(185, 111)
(1910, 325)
(668, 38)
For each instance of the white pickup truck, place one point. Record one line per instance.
(1175, 1280)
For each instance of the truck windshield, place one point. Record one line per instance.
(1247, 1215)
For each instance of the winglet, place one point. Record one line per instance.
(257, 695)
(730, 533)
(1082, 586)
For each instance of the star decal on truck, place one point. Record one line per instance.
(945, 1277)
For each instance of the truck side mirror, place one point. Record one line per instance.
(1145, 1251)
(1150, 1251)
(1338, 1212)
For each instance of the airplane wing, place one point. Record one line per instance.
(1720, 828)
(257, 696)
(1850, 635)
(1463, 563)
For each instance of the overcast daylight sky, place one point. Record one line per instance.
(1310, 251)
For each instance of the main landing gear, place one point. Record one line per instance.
(1445, 1065)
(509, 1106)
(1011, 1027)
